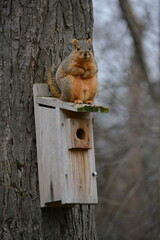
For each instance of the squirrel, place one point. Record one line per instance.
(76, 77)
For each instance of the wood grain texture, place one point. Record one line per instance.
(49, 169)
(78, 165)
(33, 34)
(66, 158)
(79, 133)
(50, 101)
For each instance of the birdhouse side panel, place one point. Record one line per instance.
(48, 160)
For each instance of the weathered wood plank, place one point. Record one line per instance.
(47, 165)
(66, 158)
(48, 159)
(44, 98)
(78, 133)
(54, 102)
(79, 186)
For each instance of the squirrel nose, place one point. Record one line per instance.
(85, 54)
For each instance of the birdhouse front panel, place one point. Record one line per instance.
(78, 159)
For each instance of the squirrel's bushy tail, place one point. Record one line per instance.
(51, 80)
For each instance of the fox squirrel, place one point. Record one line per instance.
(76, 78)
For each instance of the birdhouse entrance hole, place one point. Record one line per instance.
(80, 133)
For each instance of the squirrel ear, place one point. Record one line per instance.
(75, 42)
(89, 41)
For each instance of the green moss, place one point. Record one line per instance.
(91, 108)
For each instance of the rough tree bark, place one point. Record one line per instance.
(34, 33)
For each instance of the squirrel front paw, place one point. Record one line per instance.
(86, 75)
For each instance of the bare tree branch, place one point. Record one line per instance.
(136, 30)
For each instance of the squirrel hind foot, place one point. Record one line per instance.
(88, 102)
(77, 101)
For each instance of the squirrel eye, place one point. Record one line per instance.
(78, 48)
(90, 49)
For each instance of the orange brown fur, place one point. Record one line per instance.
(76, 77)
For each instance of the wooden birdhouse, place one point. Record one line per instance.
(65, 150)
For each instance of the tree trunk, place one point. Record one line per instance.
(33, 34)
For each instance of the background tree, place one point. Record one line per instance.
(127, 140)
(34, 34)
